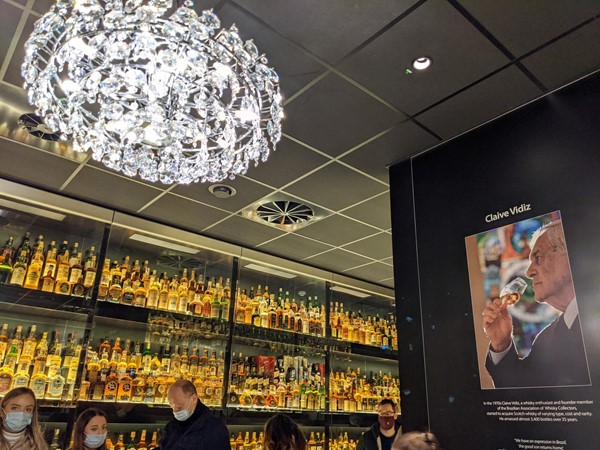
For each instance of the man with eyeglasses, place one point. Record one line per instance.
(382, 434)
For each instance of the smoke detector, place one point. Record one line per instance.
(34, 125)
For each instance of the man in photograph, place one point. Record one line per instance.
(557, 356)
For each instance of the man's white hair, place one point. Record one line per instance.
(555, 234)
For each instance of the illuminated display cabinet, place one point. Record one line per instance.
(101, 308)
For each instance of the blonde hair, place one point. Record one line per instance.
(33, 438)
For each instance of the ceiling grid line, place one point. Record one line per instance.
(496, 42)
(15, 39)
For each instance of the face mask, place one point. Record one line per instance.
(16, 421)
(94, 440)
(386, 422)
(184, 414)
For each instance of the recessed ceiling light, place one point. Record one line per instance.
(221, 190)
(31, 210)
(352, 292)
(165, 244)
(278, 273)
(421, 63)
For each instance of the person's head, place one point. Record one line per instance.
(18, 413)
(19, 410)
(183, 399)
(549, 267)
(282, 433)
(90, 430)
(415, 440)
(387, 414)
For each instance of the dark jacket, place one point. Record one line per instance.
(201, 431)
(370, 439)
(557, 358)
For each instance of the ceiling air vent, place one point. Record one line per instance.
(285, 212)
(33, 124)
(176, 261)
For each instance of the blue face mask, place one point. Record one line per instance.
(184, 414)
(94, 440)
(16, 421)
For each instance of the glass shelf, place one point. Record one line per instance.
(251, 335)
(252, 416)
(16, 299)
(169, 324)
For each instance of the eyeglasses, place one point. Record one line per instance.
(387, 413)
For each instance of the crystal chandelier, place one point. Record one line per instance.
(169, 98)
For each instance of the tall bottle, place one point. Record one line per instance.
(7, 254)
(19, 269)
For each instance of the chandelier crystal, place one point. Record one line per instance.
(172, 98)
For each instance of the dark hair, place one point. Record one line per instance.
(282, 433)
(388, 401)
(82, 420)
(33, 432)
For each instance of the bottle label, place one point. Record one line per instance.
(90, 276)
(127, 298)
(75, 275)
(33, 278)
(18, 275)
(140, 299)
(63, 287)
(62, 274)
(38, 386)
(47, 285)
(152, 299)
(55, 387)
(5, 383)
(20, 381)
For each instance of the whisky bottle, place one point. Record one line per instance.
(154, 442)
(89, 271)
(114, 291)
(182, 302)
(153, 292)
(63, 268)
(173, 295)
(56, 381)
(33, 275)
(29, 346)
(25, 246)
(163, 296)
(105, 279)
(76, 271)
(194, 362)
(7, 253)
(3, 341)
(111, 387)
(125, 388)
(138, 386)
(127, 293)
(120, 445)
(139, 294)
(19, 269)
(74, 254)
(142, 445)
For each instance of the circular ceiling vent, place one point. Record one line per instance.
(285, 212)
(33, 124)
